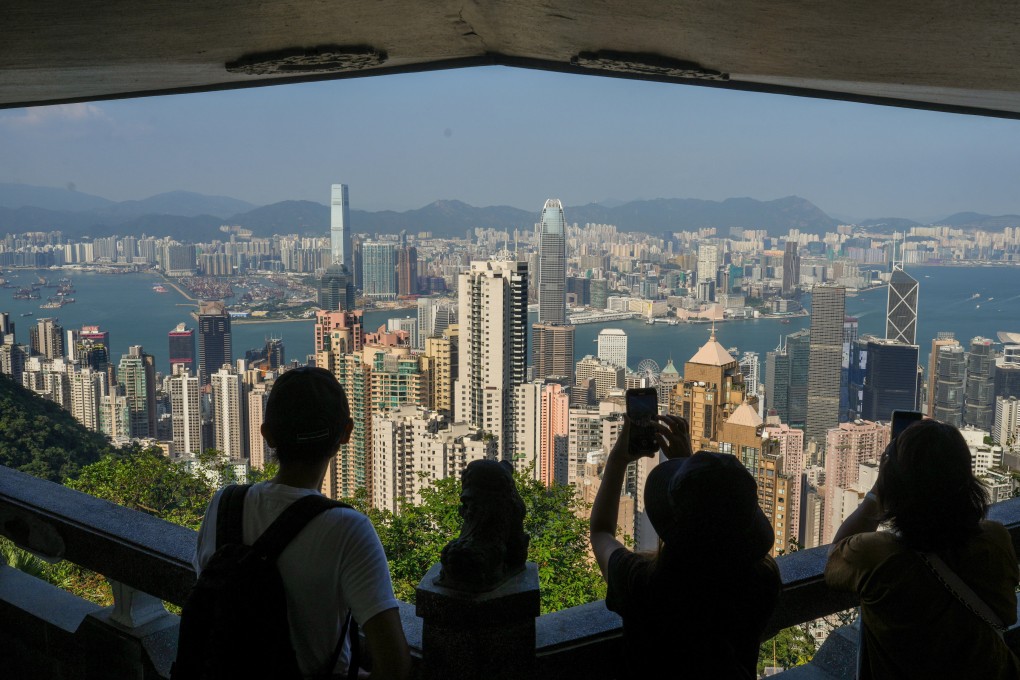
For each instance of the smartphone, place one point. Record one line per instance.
(642, 409)
(901, 420)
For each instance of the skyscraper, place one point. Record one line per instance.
(336, 289)
(407, 268)
(47, 338)
(828, 311)
(791, 268)
(612, 346)
(708, 263)
(889, 382)
(186, 411)
(182, 347)
(901, 308)
(379, 262)
(230, 409)
(552, 264)
(214, 339)
(493, 355)
(942, 339)
(554, 351)
(950, 381)
(553, 430)
(798, 349)
(340, 226)
(136, 376)
(979, 402)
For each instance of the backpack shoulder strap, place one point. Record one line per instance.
(290, 522)
(230, 515)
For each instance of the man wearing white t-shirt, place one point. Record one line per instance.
(336, 563)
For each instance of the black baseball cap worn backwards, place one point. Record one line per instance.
(307, 407)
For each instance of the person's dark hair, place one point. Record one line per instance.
(927, 489)
(306, 414)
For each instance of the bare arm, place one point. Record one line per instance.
(606, 509)
(864, 519)
(676, 443)
(391, 659)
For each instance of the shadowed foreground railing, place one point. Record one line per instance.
(49, 633)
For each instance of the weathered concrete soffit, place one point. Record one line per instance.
(945, 56)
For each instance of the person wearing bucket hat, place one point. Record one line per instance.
(939, 589)
(700, 603)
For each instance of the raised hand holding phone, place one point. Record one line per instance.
(643, 411)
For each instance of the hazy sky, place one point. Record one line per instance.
(498, 136)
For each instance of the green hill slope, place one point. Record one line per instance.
(42, 439)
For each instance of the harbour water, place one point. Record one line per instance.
(968, 301)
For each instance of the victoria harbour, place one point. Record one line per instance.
(968, 301)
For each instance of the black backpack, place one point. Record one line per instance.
(234, 622)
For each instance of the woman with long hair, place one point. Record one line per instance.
(698, 605)
(939, 587)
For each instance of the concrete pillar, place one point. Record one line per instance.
(490, 635)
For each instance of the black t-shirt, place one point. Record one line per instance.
(698, 621)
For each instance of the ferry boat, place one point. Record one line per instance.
(28, 314)
(159, 289)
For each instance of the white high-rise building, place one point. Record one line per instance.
(434, 317)
(708, 262)
(340, 226)
(1006, 428)
(528, 424)
(229, 413)
(88, 387)
(552, 264)
(115, 417)
(413, 447)
(259, 452)
(493, 355)
(613, 346)
(186, 411)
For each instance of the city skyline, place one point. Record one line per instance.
(852, 160)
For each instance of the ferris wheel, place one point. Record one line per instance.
(649, 371)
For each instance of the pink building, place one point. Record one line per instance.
(555, 429)
(791, 448)
(846, 447)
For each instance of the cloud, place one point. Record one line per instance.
(59, 114)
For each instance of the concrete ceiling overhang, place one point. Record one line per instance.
(932, 54)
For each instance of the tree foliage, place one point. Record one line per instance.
(790, 647)
(42, 439)
(145, 480)
(414, 537)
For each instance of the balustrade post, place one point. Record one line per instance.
(479, 635)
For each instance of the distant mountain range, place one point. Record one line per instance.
(197, 217)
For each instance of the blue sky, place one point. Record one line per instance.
(499, 136)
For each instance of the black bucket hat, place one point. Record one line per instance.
(708, 501)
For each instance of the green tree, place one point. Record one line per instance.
(146, 480)
(42, 439)
(414, 537)
(790, 647)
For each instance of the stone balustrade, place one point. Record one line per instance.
(49, 633)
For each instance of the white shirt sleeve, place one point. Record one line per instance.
(364, 573)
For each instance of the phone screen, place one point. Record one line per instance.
(642, 408)
(901, 420)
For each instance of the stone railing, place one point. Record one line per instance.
(49, 633)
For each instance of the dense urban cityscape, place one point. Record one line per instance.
(469, 376)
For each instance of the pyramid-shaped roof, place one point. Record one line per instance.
(670, 368)
(712, 353)
(744, 415)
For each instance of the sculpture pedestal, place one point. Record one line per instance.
(490, 635)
